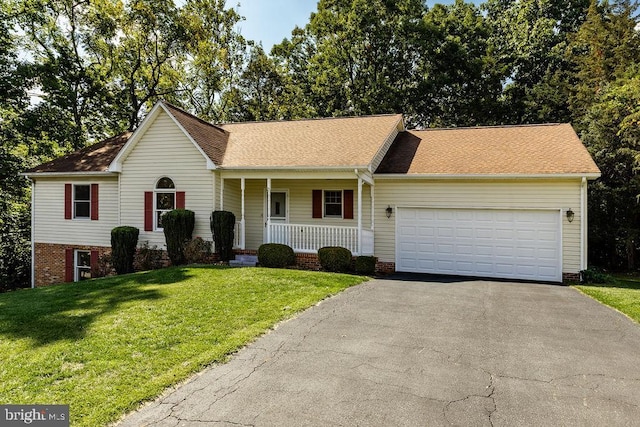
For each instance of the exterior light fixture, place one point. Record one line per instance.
(570, 215)
(388, 211)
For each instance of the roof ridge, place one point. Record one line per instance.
(192, 116)
(312, 119)
(489, 127)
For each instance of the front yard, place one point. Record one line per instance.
(621, 293)
(106, 345)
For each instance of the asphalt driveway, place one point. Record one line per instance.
(409, 352)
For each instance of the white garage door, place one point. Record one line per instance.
(512, 244)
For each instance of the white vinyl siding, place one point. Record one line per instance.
(490, 194)
(164, 150)
(50, 225)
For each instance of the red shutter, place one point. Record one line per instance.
(148, 211)
(68, 188)
(94, 264)
(348, 204)
(94, 202)
(317, 204)
(68, 265)
(179, 199)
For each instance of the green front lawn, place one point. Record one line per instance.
(106, 345)
(621, 293)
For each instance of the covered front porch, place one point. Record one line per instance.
(304, 211)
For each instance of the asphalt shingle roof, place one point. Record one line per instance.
(93, 158)
(331, 142)
(354, 141)
(492, 150)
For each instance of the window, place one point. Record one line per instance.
(165, 200)
(82, 265)
(333, 204)
(82, 201)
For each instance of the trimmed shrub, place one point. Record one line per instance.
(594, 275)
(222, 224)
(178, 227)
(366, 265)
(335, 258)
(123, 248)
(275, 255)
(197, 250)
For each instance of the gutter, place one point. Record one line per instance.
(31, 175)
(590, 176)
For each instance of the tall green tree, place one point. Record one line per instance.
(605, 105)
(461, 82)
(528, 42)
(15, 78)
(217, 54)
(151, 54)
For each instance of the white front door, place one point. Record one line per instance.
(279, 210)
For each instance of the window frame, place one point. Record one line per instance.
(74, 201)
(77, 269)
(156, 192)
(324, 204)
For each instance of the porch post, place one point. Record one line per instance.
(221, 194)
(359, 215)
(268, 210)
(242, 233)
(373, 206)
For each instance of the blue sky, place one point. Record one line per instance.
(270, 21)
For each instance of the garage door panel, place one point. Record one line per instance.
(483, 242)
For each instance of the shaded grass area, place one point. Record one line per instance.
(620, 292)
(105, 345)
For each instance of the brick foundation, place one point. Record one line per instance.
(570, 277)
(50, 259)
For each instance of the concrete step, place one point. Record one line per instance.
(244, 261)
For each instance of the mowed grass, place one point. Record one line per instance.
(106, 345)
(621, 293)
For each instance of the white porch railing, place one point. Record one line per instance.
(237, 236)
(310, 238)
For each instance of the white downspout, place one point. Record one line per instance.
(268, 210)
(242, 234)
(359, 215)
(33, 232)
(583, 224)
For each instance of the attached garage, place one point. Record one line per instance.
(501, 243)
(498, 201)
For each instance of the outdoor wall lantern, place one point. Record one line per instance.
(570, 215)
(389, 211)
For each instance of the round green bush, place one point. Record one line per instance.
(335, 258)
(275, 255)
(366, 265)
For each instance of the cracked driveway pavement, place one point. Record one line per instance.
(425, 352)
